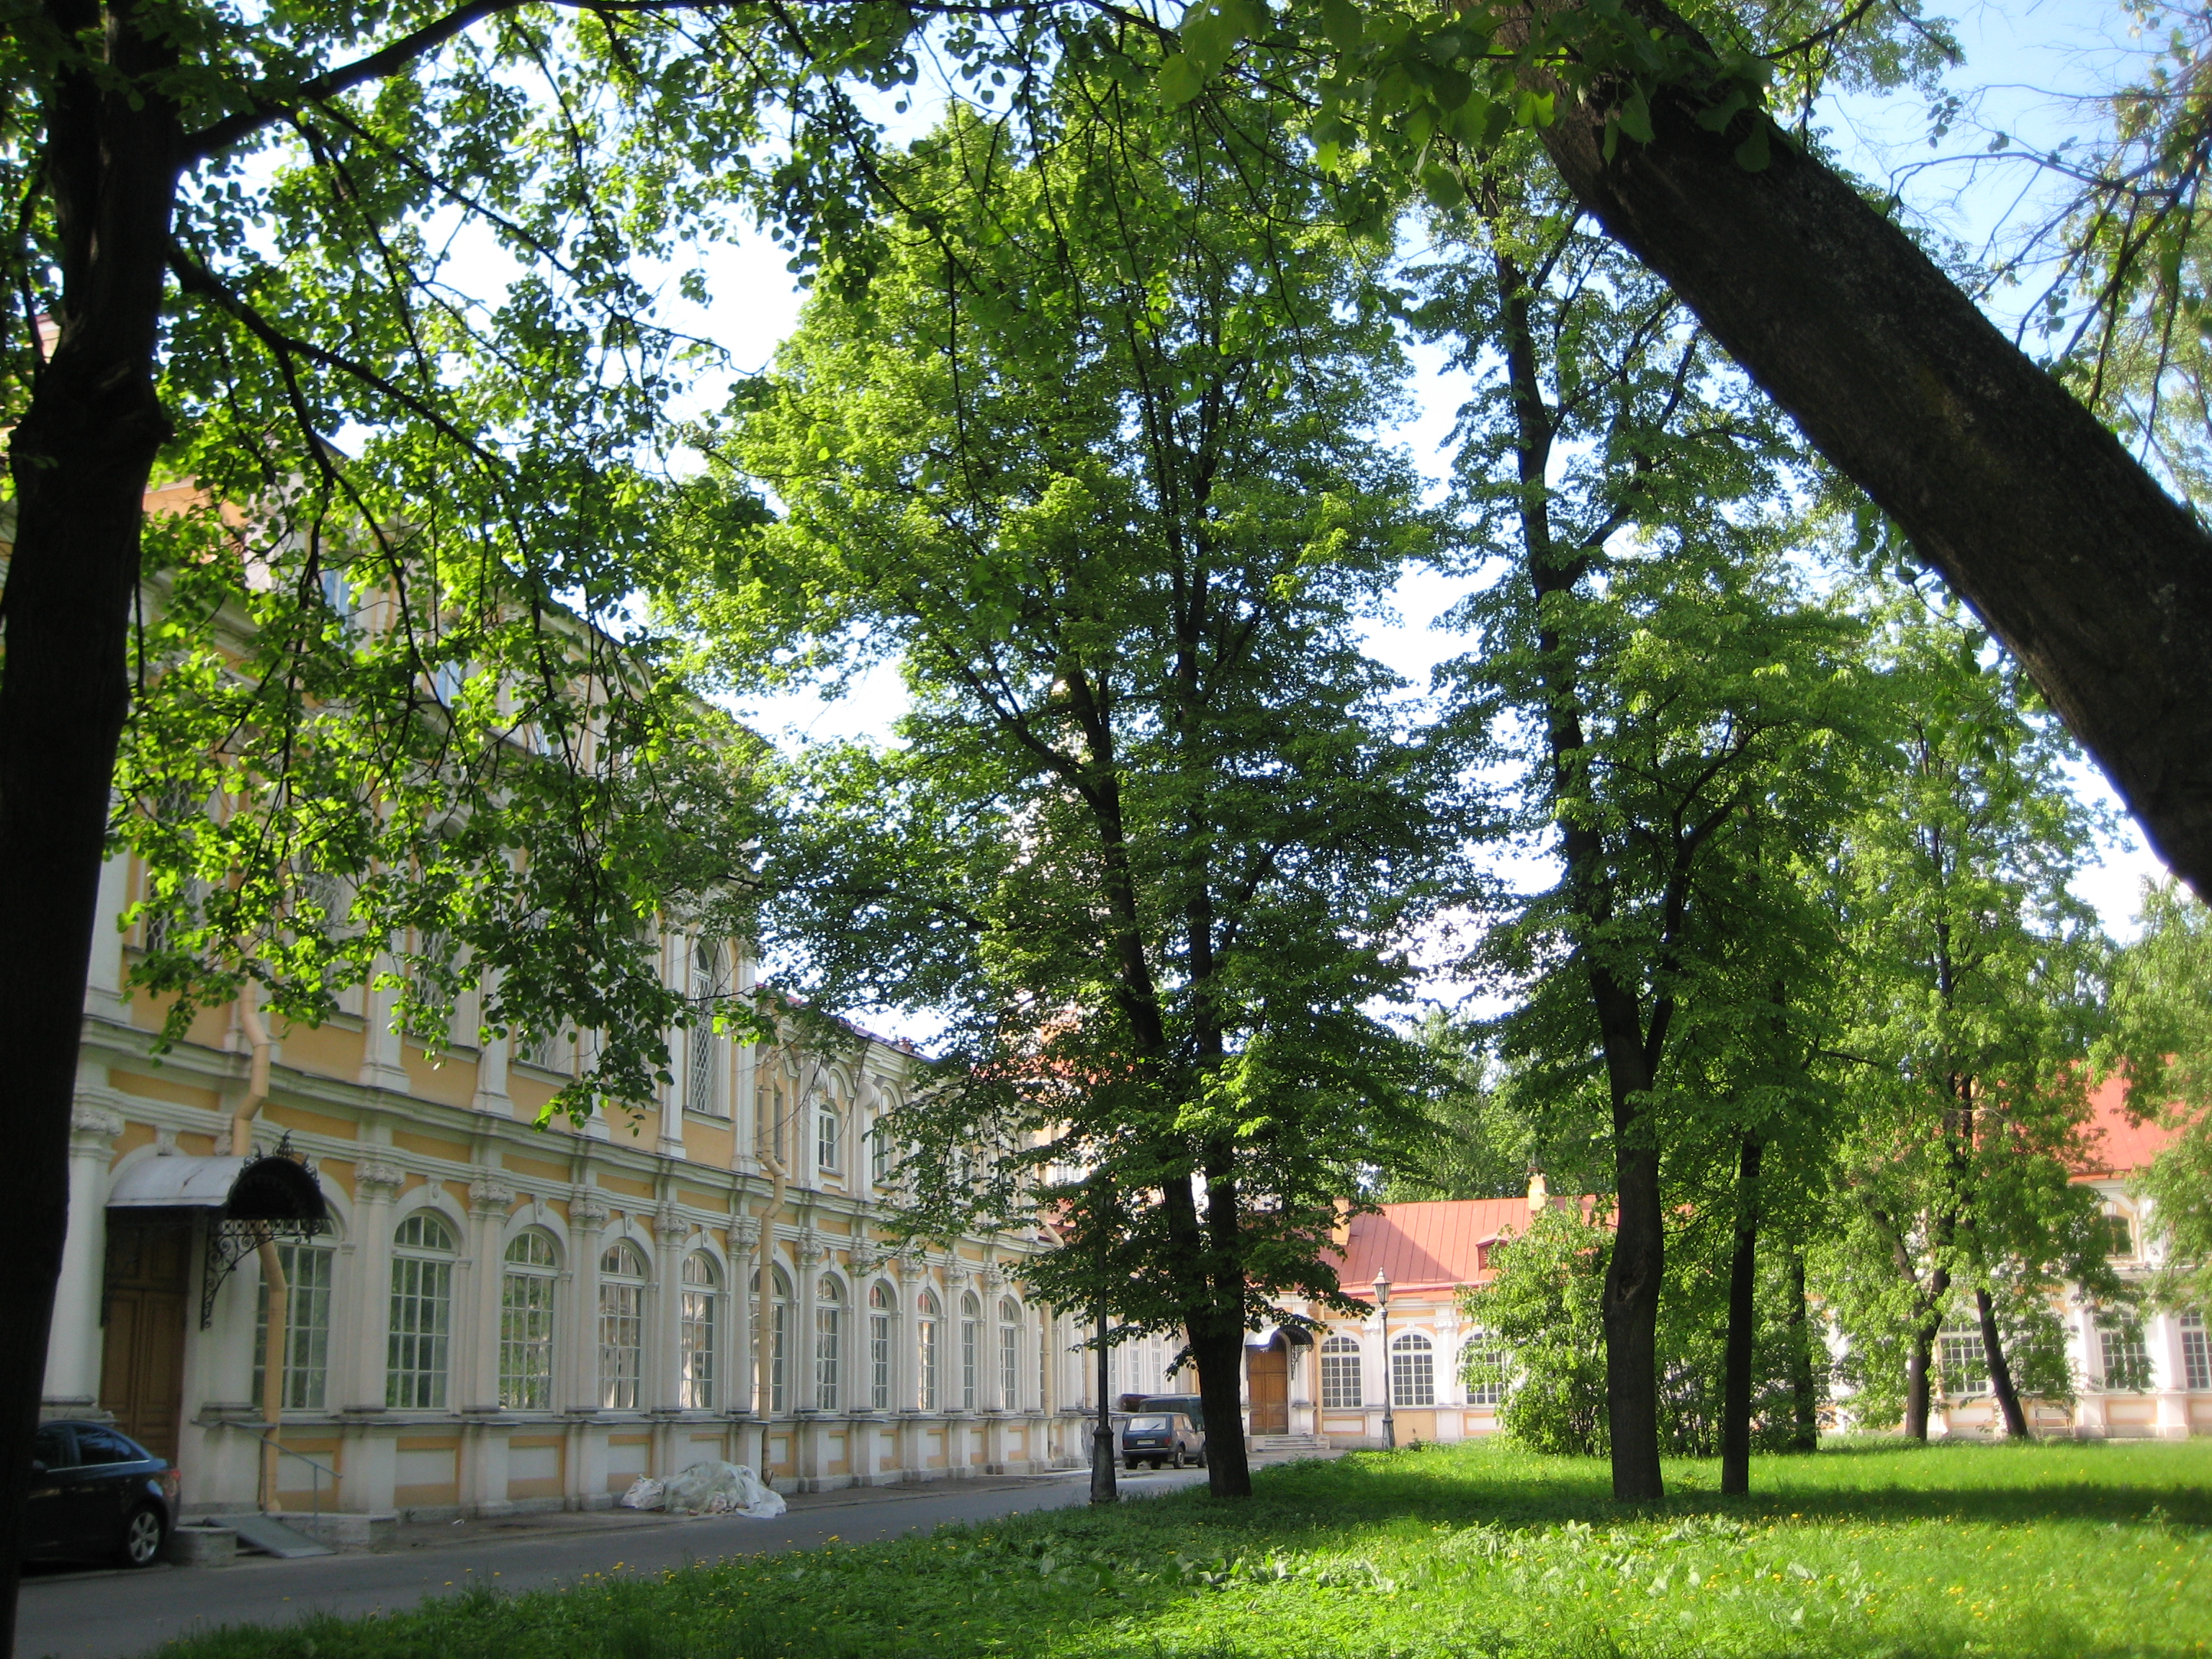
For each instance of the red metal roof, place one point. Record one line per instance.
(1428, 1244)
(2119, 1146)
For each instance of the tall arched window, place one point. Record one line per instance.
(972, 1322)
(925, 1323)
(1413, 1371)
(879, 1153)
(698, 1349)
(1009, 1354)
(704, 1086)
(828, 1334)
(416, 1353)
(778, 1334)
(880, 1310)
(622, 1325)
(829, 1148)
(526, 1322)
(1340, 1373)
(307, 1327)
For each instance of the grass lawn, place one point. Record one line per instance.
(2037, 1549)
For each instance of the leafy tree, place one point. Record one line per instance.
(1671, 701)
(2161, 1042)
(1977, 979)
(1093, 458)
(1543, 1322)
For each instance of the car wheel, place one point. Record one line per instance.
(1177, 1460)
(1158, 1463)
(142, 1538)
(1132, 1463)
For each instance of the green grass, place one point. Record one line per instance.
(2082, 1551)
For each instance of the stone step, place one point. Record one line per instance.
(270, 1536)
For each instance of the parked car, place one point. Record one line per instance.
(97, 1495)
(1159, 1438)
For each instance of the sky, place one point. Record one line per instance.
(2030, 71)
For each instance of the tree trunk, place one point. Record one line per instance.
(2031, 510)
(1742, 1327)
(1919, 1368)
(1993, 1354)
(1220, 1359)
(1633, 1276)
(80, 461)
(1804, 1396)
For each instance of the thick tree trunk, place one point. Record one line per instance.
(1634, 1273)
(2034, 513)
(1804, 1397)
(1742, 1327)
(1993, 1353)
(80, 462)
(1220, 1359)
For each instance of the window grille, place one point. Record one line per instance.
(779, 1335)
(2196, 1352)
(621, 1326)
(417, 1343)
(971, 1316)
(879, 1348)
(1339, 1374)
(1483, 1365)
(526, 1324)
(1009, 1354)
(698, 1359)
(826, 1334)
(1413, 1371)
(702, 1093)
(306, 1328)
(2126, 1361)
(924, 1330)
(1960, 1358)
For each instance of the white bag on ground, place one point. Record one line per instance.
(713, 1488)
(644, 1493)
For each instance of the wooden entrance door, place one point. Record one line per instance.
(1267, 1378)
(148, 1295)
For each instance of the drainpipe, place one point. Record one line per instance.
(272, 1266)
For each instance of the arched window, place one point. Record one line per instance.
(778, 1334)
(828, 1329)
(1482, 1364)
(1009, 1354)
(1413, 1371)
(1339, 1374)
(880, 1307)
(696, 1340)
(703, 1087)
(2196, 1352)
(971, 1320)
(307, 1327)
(526, 1323)
(925, 1323)
(622, 1325)
(415, 1355)
(2126, 1358)
(829, 1152)
(880, 1153)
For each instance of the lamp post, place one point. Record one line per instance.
(1389, 1388)
(1102, 1487)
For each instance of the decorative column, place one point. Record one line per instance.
(670, 1232)
(807, 1442)
(73, 1351)
(492, 1054)
(103, 979)
(375, 1184)
(738, 1353)
(484, 1438)
(906, 1365)
(382, 1060)
(577, 1385)
(478, 1381)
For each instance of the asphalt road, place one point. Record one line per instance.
(116, 1614)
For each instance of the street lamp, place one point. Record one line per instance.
(1389, 1388)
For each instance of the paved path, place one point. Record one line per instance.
(115, 1614)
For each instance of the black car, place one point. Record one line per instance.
(1158, 1437)
(97, 1495)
